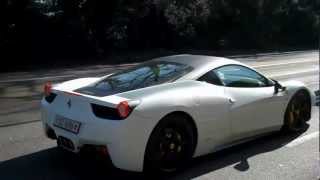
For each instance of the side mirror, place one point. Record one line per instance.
(278, 87)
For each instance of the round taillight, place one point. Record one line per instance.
(47, 88)
(123, 109)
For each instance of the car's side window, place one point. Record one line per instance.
(240, 76)
(211, 77)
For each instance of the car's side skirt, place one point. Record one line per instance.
(268, 132)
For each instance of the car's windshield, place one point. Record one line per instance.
(144, 75)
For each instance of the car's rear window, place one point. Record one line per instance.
(144, 75)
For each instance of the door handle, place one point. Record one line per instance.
(231, 101)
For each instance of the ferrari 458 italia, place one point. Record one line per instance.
(161, 113)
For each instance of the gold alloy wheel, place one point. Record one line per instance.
(298, 111)
(293, 116)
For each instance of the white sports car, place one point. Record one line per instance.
(161, 113)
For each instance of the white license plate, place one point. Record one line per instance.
(67, 124)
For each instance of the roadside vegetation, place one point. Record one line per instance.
(67, 31)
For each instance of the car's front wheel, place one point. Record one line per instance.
(171, 145)
(298, 111)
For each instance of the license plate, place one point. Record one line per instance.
(67, 124)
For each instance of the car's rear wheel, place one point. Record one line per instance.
(170, 146)
(298, 111)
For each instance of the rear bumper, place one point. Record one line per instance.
(125, 140)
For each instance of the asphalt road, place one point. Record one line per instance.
(25, 153)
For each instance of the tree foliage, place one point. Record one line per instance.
(96, 27)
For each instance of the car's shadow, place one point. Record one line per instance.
(56, 164)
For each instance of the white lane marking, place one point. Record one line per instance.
(34, 79)
(294, 73)
(312, 83)
(69, 76)
(279, 64)
(273, 54)
(302, 139)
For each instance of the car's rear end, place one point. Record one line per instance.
(92, 112)
(79, 121)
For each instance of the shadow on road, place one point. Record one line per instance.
(240, 154)
(55, 164)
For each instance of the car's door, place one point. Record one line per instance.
(213, 112)
(253, 105)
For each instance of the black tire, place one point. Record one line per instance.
(170, 146)
(298, 112)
